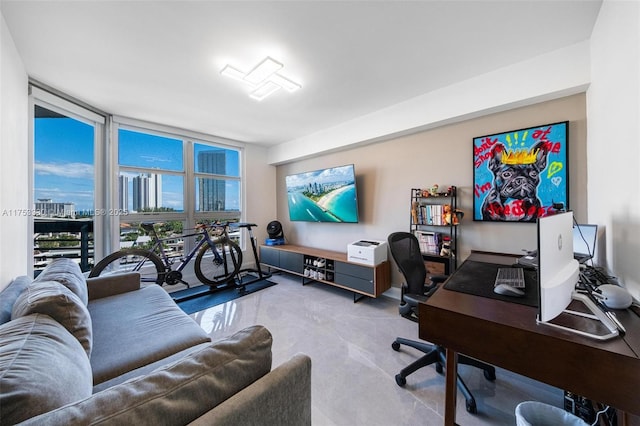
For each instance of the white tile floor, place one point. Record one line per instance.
(353, 364)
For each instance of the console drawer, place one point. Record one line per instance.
(270, 256)
(355, 283)
(292, 261)
(362, 272)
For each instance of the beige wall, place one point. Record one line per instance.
(386, 171)
(258, 197)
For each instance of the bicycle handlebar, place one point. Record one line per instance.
(244, 225)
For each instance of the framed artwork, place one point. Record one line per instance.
(521, 175)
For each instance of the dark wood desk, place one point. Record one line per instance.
(506, 335)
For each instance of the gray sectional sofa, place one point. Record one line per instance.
(76, 351)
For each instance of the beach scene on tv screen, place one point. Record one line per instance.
(327, 195)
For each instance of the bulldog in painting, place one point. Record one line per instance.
(516, 175)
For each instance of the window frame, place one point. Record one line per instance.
(107, 168)
(190, 216)
(64, 105)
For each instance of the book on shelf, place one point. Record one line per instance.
(429, 242)
(431, 214)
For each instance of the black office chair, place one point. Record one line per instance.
(405, 251)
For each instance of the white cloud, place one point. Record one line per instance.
(154, 159)
(69, 170)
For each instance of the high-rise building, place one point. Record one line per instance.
(211, 192)
(47, 208)
(155, 191)
(123, 192)
(147, 191)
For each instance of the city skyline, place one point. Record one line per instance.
(64, 167)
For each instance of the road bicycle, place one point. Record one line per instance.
(218, 259)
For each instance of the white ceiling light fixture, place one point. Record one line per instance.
(264, 90)
(263, 70)
(284, 82)
(264, 78)
(231, 72)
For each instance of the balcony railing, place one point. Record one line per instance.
(71, 238)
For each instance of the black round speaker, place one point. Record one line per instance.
(274, 229)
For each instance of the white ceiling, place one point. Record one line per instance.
(159, 61)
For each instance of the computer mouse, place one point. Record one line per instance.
(507, 290)
(613, 296)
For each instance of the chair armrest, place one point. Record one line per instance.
(415, 299)
(437, 279)
(100, 287)
(432, 290)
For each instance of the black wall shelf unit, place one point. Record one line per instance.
(434, 221)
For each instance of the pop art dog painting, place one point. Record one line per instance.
(520, 175)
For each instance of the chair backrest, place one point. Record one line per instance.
(405, 251)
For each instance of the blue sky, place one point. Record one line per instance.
(64, 169)
(64, 161)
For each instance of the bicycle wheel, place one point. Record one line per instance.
(219, 263)
(147, 264)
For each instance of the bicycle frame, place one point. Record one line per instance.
(186, 259)
(217, 259)
(158, 249)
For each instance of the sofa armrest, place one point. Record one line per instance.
(282, 397)
(100, 287)
(177, 393)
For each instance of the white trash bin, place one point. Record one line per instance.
(533, 413)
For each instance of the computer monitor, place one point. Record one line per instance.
(558, 271)
(584, 241)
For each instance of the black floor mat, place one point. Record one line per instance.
(200, 298)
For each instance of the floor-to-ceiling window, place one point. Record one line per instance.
(65, 194)
(100, 176)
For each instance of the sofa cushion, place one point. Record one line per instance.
(42, 367)
(57, 301)
(9, 295)
(144, 325)
(146, 369)
(177, 393)
(68, 273)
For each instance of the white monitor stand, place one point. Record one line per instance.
(558, 274)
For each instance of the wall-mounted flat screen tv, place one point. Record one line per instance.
(325, 195)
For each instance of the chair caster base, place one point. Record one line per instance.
(400, 381)
(471, 406)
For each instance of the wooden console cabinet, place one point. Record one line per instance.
(328, 267)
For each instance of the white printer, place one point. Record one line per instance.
(367, 252)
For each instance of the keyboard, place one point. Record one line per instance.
(510, 276)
